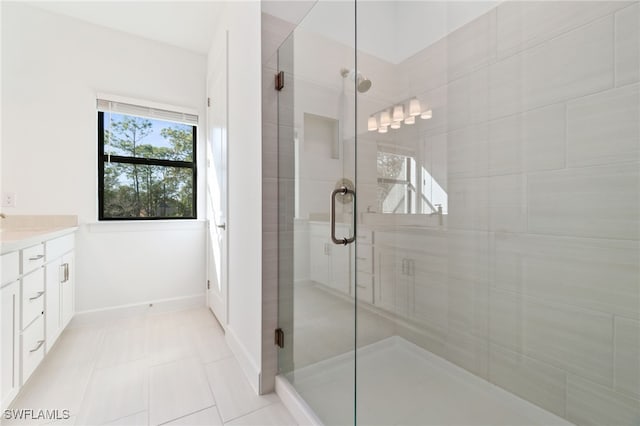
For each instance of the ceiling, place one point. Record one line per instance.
(392, 30)
(187, 24)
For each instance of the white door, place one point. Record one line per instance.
(217, 185)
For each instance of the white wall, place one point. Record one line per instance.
(53, 66)
(242, 20)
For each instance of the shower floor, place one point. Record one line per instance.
(400, 383)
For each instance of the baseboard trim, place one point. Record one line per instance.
(299, 409)
(95, 316)
(249, 368)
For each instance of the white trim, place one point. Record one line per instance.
(147, 225)
(147, 103)
(105, 315)
(248, 366)
(291, 399)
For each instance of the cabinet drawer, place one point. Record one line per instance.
(32, 296)
(364, 258)
(32, 348)
(365, 236)
(364, 283)
(10, 267)
(59, 246)
(32, 258)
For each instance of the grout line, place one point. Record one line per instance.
(250, 412)
(185, 415)
(566, 135)
(125, 416)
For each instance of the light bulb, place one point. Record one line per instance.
(409, 120)
(414, 107)
(372, 125)
(398, 113)
(395, 125)
(385, 119)
(427, 114)
(383, 129)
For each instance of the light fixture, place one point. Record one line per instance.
(394, 115)
(372, 124)
(398, 113)
(414, 107)
(385, 118)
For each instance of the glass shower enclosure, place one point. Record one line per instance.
(459, 212)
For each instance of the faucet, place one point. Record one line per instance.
(439, 213)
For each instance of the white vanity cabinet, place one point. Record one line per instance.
(331, 262)
(10, 317)
(59, 286)
(36, 304)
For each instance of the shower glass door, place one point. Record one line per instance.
(316, 160)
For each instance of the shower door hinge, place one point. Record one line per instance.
(208, 284)
(208, 102)
(279, 338)
(280, 81)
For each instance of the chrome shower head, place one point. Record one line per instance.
(363, 84)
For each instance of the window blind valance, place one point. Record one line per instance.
(106, 105)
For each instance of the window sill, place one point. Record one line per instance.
(147, 226)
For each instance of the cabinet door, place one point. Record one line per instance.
(67, 292)
(319, 252)
(9, 342)
(386, 279)
(339, 271)
(53, 316)
(395, 281)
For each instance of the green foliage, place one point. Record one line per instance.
(132, 190)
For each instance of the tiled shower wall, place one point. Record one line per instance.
(538, 106)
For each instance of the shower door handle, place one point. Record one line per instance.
(341, 241)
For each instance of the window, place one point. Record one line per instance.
(399, 190)
(396, 183)
(146, 164)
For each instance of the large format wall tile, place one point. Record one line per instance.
(627, 362)
(570, 338)
(468, 255)
(531, 141)
(552, 75)
(468, 99)
(543, 133)
(522, 24)
(467, 153)
(468, 203)
(471, 46)
(627, 41)
(600, 202)
(546, 74)
(590, 404)
(535, 381)
(604, 128)
(468, 306)
(595, 274)
(507, 199)
(468, 351)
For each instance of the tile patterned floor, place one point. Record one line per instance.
(171, 368)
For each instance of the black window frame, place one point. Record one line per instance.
(102, 158)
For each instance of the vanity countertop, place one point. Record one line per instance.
(16, 239)
(19, 232)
